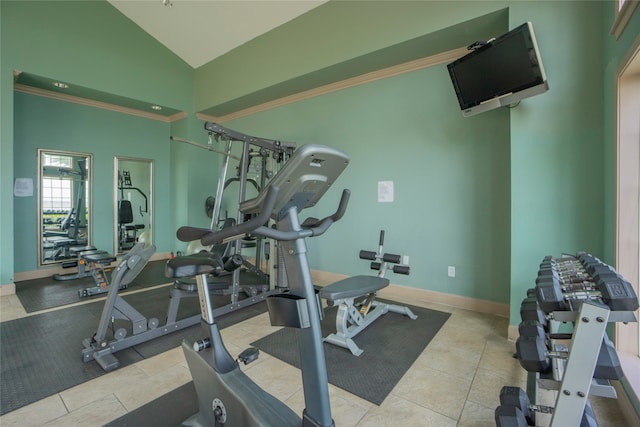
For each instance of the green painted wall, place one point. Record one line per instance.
(46, 123)
(490, 194)
(450, 174)
(555, 193)
(91, 44)
(334, 32)
(557, 145)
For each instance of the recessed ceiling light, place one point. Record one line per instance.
(156, 107)
(61, 85)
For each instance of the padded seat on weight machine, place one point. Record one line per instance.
(353, 287)
(191, 265)
(59, 242)
(103, 258)
(75, 250)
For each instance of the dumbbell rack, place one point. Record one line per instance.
(573, 377)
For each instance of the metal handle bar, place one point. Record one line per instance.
(209, 237)
(255, 225)
(233, 135)
(316, 229)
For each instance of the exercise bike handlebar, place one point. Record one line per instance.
(310, 228)
(209, 237)
(256, 225)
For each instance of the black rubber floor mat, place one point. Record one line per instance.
(41, 294)
(391, 344)
(41, 353)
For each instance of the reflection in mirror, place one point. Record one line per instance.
(64, 200)
(133, 212)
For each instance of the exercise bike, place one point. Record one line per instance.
(226, 396)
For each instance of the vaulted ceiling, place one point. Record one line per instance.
(199, 31)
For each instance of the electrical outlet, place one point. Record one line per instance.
(451, 271)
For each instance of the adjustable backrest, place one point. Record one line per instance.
(125, 213)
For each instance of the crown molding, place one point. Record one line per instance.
(97, 104)
(384, 73)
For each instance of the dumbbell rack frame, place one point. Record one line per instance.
(573, 378)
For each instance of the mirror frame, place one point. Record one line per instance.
(116, 189)
(88, 202)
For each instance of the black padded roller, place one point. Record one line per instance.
(233, 262)
(375, 266)
(391, 258)
(401, 269)
(367, 255)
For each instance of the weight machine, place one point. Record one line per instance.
(270, 154)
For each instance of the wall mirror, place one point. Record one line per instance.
(64, 204)
(132, 202)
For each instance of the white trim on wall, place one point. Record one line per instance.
(624, 12)
(406, 67)
(97, 104)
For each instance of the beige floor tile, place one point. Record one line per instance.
(276, 377)
(607, 412)
(352, 398)
(36, 414)
(159, 363)
(486, 386)
(396, 411)
(453, 361)
(456, 337)
(343, 411)
(96, 414)
(501, 362)
(435, 390)
(11, 308)
(135, 394)
(474, 415)
(102, 387)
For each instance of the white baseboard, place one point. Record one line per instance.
(408, 294)
(8, 289)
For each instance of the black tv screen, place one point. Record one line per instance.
(501, 72)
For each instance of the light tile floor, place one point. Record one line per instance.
(455, 382)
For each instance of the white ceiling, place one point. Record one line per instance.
(201, 30)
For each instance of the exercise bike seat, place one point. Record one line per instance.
(191, 265)
(352, 287)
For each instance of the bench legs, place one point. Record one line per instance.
(350, 322)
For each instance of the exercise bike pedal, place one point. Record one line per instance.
(249, 355)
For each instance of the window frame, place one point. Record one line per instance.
(624, 10)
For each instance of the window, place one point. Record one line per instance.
(628, 205)
(56, 194)
(57, 189)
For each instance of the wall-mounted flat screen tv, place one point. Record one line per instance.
(500, 72)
